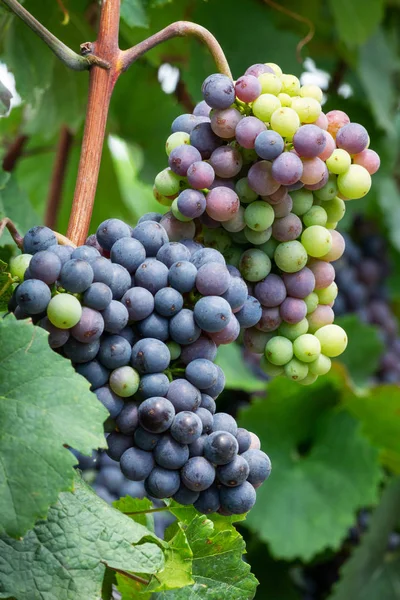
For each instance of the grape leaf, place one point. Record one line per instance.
(6, 289)
(367, 574)
(364, 349)
(43, 405)
(134, 13)
(355, 24)
(238, 374)
(14, 204)
(388, 199)
(5, 99)
(66, 556)
(137, 509)
(317, 454)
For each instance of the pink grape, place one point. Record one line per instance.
(287, 229)
(258, 69)
(219, 181)
(283, 208)
(330, 146)
(229, 333)
(247, 131)
(322, 315)
(287, 168)
(247, 88)
(320, 184)
(261, 180)
(338, 246)
(368, 159)
(336, 120)
(277, 196)
(225, 121)
(313, 170)
(200, 175)
(322, 121)
(324, 272)
(226, 161)
(352, 137)
(293, 310)
(222, 203)
(182, 157)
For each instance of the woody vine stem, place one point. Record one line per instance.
(105, 62)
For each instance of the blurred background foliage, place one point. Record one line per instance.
(315, 532)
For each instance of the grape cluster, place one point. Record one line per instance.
(261, 173)
(140, 318)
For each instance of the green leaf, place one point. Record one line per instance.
(6, 289)
(5, 99)
(238, 374)
(317, 454)
(364, 349)
(353, 22)
(44, 405)
(14, 204)
(388, 199)
(218, 568)
(66, 556)
(134, 13)
(137, 509)
(369, 574)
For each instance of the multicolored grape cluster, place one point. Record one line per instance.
(259, 172)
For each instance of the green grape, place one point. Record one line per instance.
(308, 109)
(290, 85)
(321, 365)
(315, 216)
(257, 237)
(270, 247)
(311, 91)
(176, 139)
(254, 265)
(64, 311)
(279, 350)
(236, 223)
(244, 191)
(168, 183)
(331, 225)
(19, 264)
(307, 347)
(312, 302)
(292, 332)
(316, 240)
(124, 381)
(285, 121)
(162, 199)
(290, 256)
(259, 216)
(269, 368)
(296, 370)
(270, 83)
(232, 255)
(333, 340)
(355, 182)
(328, 191)
(302, 201)
(327, 295)
(218, 238)
(174, 349)
(339, 161)
(177, 214)
(285, 99)
(249, 155)
(276, 68)
(309, 379)
(335, 210)
(264, 106)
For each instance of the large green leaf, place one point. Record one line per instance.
(65, 557)
(369, 574)
(237, 372)
(354, 21)
(14, 204)
(134, 13)
(364, 349)
(318, 454)
(44, 405)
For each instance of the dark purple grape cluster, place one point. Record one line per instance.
(141, 318)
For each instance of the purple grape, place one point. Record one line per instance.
(261, 180)
(219, 182)
(200, 175)
(287, 168)
(177, 230)
(287, 229)
(218, 91)
(293, 310)
(45, 266)
(57, 337)
(300, 284)
(283, 208)
(186, 122)
(320, 184)
(224, 122)
(352, 137)
(226, 161)
(182, 157)
(191, 203)
(202, 109)
(212, 279)
(269, 144)
(247, 88)
(204, 139)
(203, 347)
(270, 319)
(248, 130)
(89, 327)
(271, 291)
(309, 141)
(258, 69)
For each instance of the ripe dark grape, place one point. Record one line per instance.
(128, 419)
(235, 472)
(129, 253)
(168, 302)
(239, 499)
(183, 395)
(170, 454)
(150, 356)
(111, 401)
(37, 239)
(198, 474)
(115, 351)
(115, 317)
(186, 427)
(97, 296)
(110, 231)
(208, 501)
(45, 266)
(33, 296)
(162, 483)
(173, 252)
(136, 464)
(220, 447)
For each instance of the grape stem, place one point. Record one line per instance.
(146, 512)
(129, 575)
(58, 176)
(70, 58)
(16, 236)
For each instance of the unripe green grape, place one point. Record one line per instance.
(327, 295)
(279, 350)
(270, 83)
(308, 109)
(285, 121)
(285, 100)
(296, 370)
(339, 161)
(168, 183)
(290, 256)
(64, 311)
(307, 347)
(218, 238)
(174, 349)
(259, 215)
(177, 214)
(312, 302)
(236, 223)
(290, 85)
(244, 191)
(124, 381)
(331, 224)
(333, 340)
(315, 216)
(276, 68)
(162, 199)
(292, 332)
(302, 201)
(335, 210)
(270, 369)
(264, 106)
(355, 182)
(316, 240)
(249, 155)
(254, 265)
(176, 139)
(258, 237)
(311, 91)
(309, 379)
(270, 247)
(19, 264)
(321, 365)
(328, 191)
